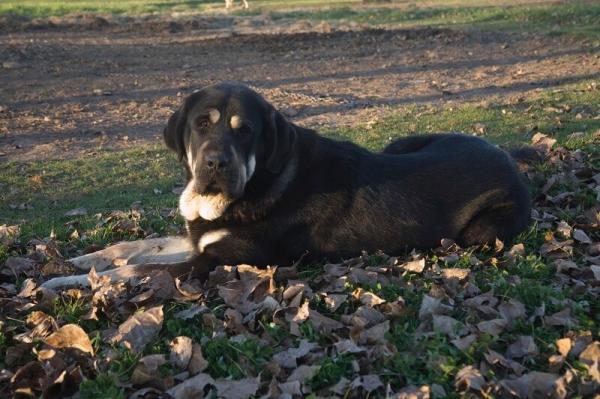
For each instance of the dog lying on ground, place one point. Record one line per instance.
(263, 191)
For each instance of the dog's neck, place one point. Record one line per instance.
(249, 208)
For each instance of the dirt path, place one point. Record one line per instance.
(70, 86)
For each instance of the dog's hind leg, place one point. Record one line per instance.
(490, 224)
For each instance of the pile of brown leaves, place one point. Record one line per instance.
(346, 308)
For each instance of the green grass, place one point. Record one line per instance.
(575, 19)
(111, 181)
(578, 19)
(506, 122)
(46, 8)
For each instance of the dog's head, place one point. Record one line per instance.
(224, 134)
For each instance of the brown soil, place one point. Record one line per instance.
(74, 84)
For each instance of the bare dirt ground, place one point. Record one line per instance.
(74, 84)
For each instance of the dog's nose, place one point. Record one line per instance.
(216, 160)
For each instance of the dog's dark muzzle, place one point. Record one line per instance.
(216, 161)
(217, 173)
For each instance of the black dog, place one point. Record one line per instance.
(263, 191)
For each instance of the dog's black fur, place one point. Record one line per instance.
(313, 197)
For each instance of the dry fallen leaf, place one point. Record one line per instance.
(492, 327)
(449, 326)
(76, 212)
(140, 329)
(469, 378)
(303, 373)
(511, 311)
(590, 357)
(70, 336)
(465, 342)
(191, 388)
(562, 318)
(523, 346)
(8, 233)
(431, 306)
(237, 389)
(288, 358)
(181, 352)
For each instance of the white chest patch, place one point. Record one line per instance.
(211, 237)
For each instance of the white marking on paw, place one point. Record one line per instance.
(236, 122)
(214, 115)
(211, 237)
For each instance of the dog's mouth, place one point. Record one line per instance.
(214, 187)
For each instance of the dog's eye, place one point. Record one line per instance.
(244, 129)
(202, 124)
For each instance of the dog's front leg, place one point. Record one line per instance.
(125, 273)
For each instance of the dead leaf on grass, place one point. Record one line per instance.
(562, 318)
(9, 233)
(76, 212)
(161, 282)
(449, 326)
(16, 352)
(191, 312)
(97, 281)
(288, 358)
(590, 357)
(181, 352)
(303, 373)
(454, 276)
(415, 266)
(28, 379)
(534, 385)
(542, 142)
(412, 392)
(374, 334)
(368, 382)
(523, 346)
(197, 363)
(431, 306)
(147, 373)
(191, 388)
(140, 329)
(469, 377)
(494, 358)
(580, 236)
(492, 327)
(70, 336)
(15, 267)
(334, 301)
(464, 343)
(511, 311)
(237, 389)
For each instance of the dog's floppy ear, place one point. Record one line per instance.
(173, 133)
(280, 138)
